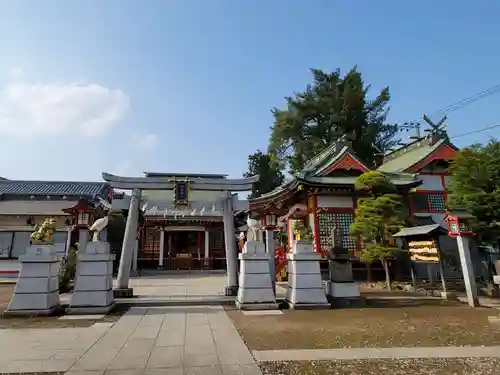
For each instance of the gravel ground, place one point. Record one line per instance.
(6, 291)
(409, 326)
(462, 366)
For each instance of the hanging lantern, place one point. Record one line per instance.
(459, 223)
(270, 221)
(83, 218)
(82, 213)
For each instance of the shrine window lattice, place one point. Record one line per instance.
(151, 247)
(341, 221)
(428, 202)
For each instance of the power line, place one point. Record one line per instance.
(469, 100)
(476, 131)
(457, 105)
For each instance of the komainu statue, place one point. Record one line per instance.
(43, 234)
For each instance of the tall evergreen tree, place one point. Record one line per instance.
(333, 105)
(269, 173)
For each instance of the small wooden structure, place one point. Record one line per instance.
(422, 243)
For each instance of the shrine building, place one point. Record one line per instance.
(325, 188)
(183, 228)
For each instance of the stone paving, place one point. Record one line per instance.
(377, 353)
(157, 340)
(171, 288)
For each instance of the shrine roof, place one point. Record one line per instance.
(185, 175)
(89, 189)
(407, 156)
(420, 230)
(319, 165)
(398, 179)
(286, 187)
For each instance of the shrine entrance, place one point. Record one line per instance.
(179, 218)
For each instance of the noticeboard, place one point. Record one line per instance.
(423, 251)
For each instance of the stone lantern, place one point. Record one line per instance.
(83, 214)
(459, 227)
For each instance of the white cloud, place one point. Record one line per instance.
(29, 110)
(144, 141)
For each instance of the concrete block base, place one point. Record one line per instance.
(123, 292)
(342, 290)
(36, 292)
(347, 302)
(307, 306)
(54, 310)
(231, 290)
(255, 286)
(90, 310)
(449, 296)
(496, 279)
(256, 306)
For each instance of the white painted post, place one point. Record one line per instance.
(162, 248)
(68, 241)
(467, 270)
(231, 252)
(270, 249)
(123, 289)
(207, 245)
(83, 239)
(134, 259)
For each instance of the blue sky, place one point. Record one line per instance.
(187, 85)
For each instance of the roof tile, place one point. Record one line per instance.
(52, 188)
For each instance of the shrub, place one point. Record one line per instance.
(67, 270)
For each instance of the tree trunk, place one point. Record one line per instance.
(369, 272)
(387, 276)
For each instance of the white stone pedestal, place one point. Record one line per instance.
(93, 291)
(305, 287)
(496, 279)
(37, 288)
(342, 289)
(255, 289)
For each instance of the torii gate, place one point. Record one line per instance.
(138, 184)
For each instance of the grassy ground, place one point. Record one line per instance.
(414, 323)
(6, 291)
(469, 366)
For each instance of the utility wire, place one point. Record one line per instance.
(470, 100)
(458, 105)
(476, 131)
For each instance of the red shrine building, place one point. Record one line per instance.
(325, 186)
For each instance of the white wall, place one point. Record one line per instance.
(334, 201)
(430, 182)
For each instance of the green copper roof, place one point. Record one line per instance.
(398, 179)
(328, 156)
(289, 185)
(405, 157)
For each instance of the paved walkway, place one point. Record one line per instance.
(160, 340)
(377, 353)
(170, 288)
